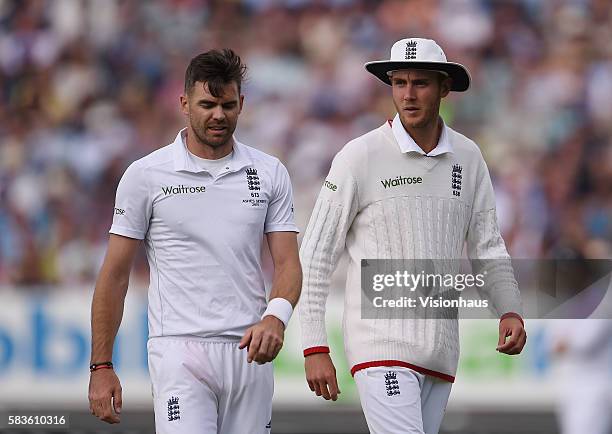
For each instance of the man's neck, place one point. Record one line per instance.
(202, 150)
(426, 137)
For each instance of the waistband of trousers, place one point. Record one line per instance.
(199, 339)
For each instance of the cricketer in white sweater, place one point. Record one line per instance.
(427, 213)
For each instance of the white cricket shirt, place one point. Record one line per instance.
(407, 144)
(203, 236)
(213, 167)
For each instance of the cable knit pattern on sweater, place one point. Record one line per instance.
(426, 214)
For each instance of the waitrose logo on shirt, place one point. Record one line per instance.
(183, 189)
(401, 180)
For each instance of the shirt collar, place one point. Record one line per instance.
(183, 161)
(407, 143)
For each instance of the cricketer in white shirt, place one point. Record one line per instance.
(202, 205)
(203, 236)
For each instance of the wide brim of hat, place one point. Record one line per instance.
(459, 74)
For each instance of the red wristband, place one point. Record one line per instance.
(512, 315)
(100, 367)
(315, 350)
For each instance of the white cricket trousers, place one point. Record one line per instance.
(400, 400)
(585, 401)
(204, 387)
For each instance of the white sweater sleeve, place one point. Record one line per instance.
(322, 246)
(487, 250)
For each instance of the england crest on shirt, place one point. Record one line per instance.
(456, 179)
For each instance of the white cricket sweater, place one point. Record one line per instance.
(426, 219)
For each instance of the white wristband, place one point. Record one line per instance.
(280, 308)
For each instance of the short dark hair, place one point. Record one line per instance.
(218, 68)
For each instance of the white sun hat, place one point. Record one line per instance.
(418, 53)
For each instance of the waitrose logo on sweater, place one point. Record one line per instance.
(401, 180)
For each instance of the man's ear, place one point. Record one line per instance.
(445, 86)
(241, 102)
(184, 100)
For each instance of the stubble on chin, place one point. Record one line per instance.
(414, 123)
(213, 142)
(423, 122)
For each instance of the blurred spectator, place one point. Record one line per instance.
(87, 87)
(584, 349)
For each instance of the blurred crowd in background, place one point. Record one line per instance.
(86, 87)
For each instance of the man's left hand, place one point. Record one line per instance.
(264, 340)
(511, 329)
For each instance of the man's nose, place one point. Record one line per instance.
(218, 113)
(410, 92)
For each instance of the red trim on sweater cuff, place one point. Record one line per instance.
(399, 363)
(315, 350)
(513, 315)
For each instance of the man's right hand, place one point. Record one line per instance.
(104, 388)
(321, 375)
